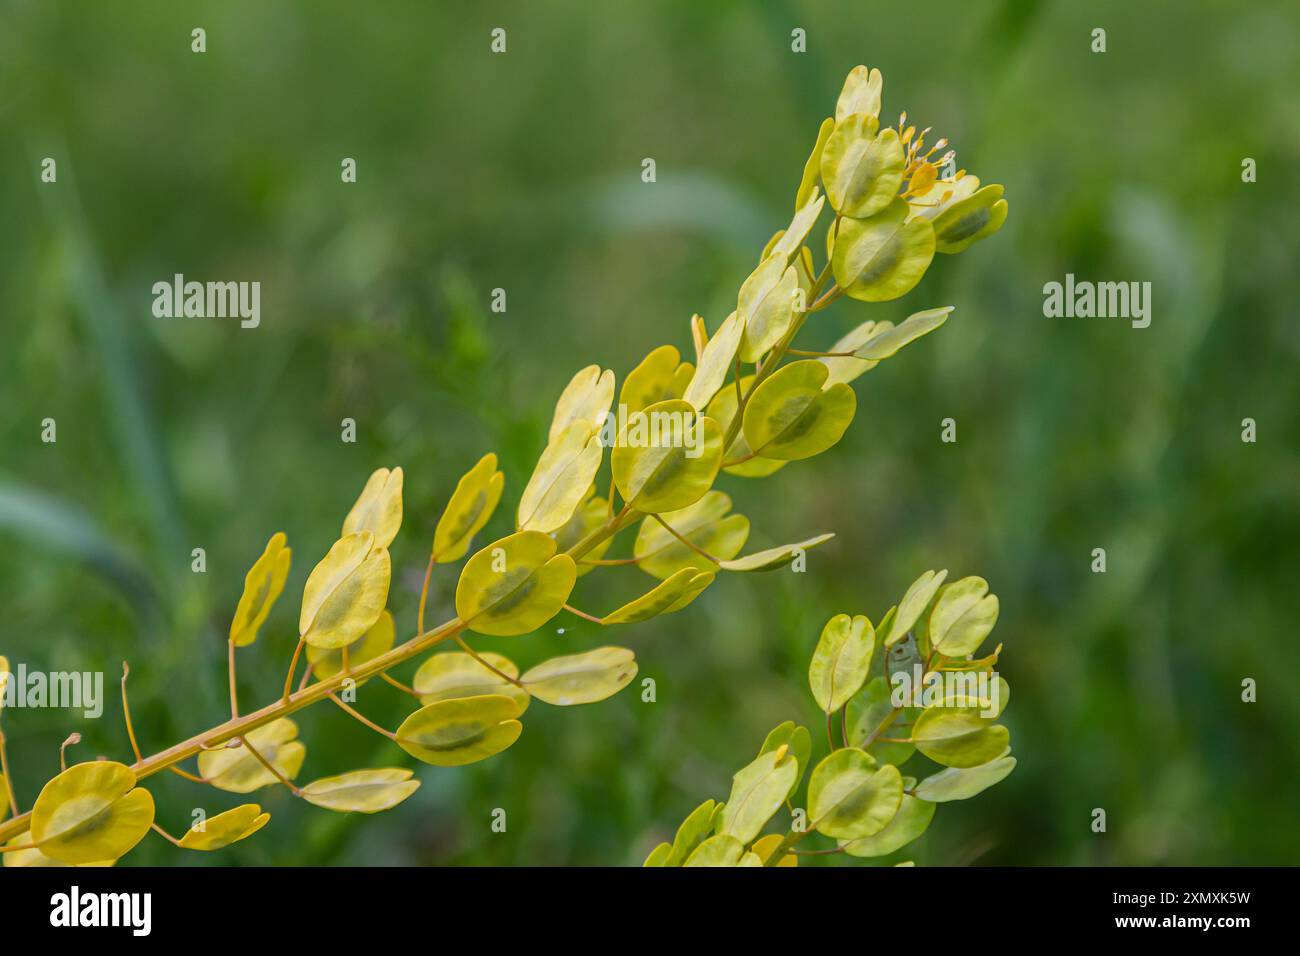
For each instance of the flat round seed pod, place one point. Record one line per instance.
(964, 613)
(720, 850)
(471, 505)
(888, 339)
(262, 585)
(797, 740)
(773, 558)
(673, 463)
(514, 585)
(226, 828)
(841, 660)
(33, 857)
(706, 524)
(346, 592)
(850, 796)
(326, 662)
(581, 678)
(236, 770)
(585, 399)
(861, 93)
(449, 675)
(969, 220)
(918, 597)
(662, 375)
(862, 166)
(715, 362)
(802, 223)
(379, 507)
(723, 409)
(792, 416)
(757, 792)
(812, 168)
(452, 733)
(91, 812)
(962, 784)
(668, 596)
(911, 820)
(362, 791)
(884, 256)
(959, 736)
(694, 830)
(866, 711)
(560, 480)
(766, 305)
(658, 855)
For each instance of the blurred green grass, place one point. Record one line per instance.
(522, 172)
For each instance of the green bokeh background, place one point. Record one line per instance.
(522, 171)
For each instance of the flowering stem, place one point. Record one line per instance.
(214, 737)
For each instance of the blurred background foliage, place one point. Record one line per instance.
(522, 172)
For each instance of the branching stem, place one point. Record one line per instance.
(215, 738)
(352, 712)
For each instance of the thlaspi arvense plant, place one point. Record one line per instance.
(749, 404)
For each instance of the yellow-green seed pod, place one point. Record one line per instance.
(773, 558)
(812, 169)
(346, 592)
(887, 339)
(581, 678)
(464, 730)
(514, 585)
(262, 585)
(764, 847)
(661, 375)
(959, 736)
(706, 524)
(362, 791)
(237, 770)
(757, 792)
(861, 94)
(468, 510)
(326, 662)
(719, 850)
(668, 596)
(585, 399)
(674, 464)
(969, 220)
(452, 674)
(715, 362)
(766, 306)
(882, 257)
(225, 828)
(378, 509)
(792, 416)
(850, 796)
(91, 812)
(862, 167)
(841, 660)
(561, 479)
